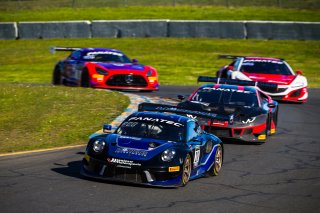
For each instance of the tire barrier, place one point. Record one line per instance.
(278, 30)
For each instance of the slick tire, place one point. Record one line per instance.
(186, 170)
(56, 77)
(218, 160)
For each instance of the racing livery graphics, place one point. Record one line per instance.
(103, 68)
(243, 112)
(291, 86)
(153, 148)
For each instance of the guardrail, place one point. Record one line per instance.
(278, 30)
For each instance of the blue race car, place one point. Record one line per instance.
(155, 148)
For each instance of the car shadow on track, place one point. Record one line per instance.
(72, 169)
(238, 142)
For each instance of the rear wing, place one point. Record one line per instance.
(230, 56)
(237, 56)
(203, 118)
(262, 85)
(54, 49)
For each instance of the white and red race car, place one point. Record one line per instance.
(292, 86)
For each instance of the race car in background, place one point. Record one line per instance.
(154, 148)
(103, 68)
(291, 86)
(252, 114)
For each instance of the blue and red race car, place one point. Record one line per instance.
(291, 86)
(103, 68)
(154, 148)
(244, 112)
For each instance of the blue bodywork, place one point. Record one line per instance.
(129, 157)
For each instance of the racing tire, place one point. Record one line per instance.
(268, 127)
(56, 77)
(85, 78)
(186, 170)
(218, 160)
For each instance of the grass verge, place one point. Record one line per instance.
(178, 61)
(36, 117)
(160, 12)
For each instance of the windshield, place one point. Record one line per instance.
(106, 56)
(265, 67)
(152, 128)
(218, 96)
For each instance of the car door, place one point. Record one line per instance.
(73, 67)
(196, 142)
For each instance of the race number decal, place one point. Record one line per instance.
(196, 156)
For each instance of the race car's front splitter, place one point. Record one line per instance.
(248, 134)
(98, 169)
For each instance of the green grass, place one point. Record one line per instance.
(42, 4)
(34, 117)
(178, 61)
(160, 12)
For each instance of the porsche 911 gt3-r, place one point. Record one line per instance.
(154, 148)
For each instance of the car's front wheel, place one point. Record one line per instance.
(218, 159)
(186, 170)
(85, 78)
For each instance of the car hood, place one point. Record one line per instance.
(121, 66)
(135, 148)
(221, 109)
(271, 78)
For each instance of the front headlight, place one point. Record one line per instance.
(101, 71)
(149, 73)
(299, 82)
(168, 155)
(98, 146)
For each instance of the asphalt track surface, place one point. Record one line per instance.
(282, 175)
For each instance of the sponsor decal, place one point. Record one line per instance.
(209, 89)
(174, 168)
(123, 162)
(130, 151)
(104, 52)
(158, 120)
(247, 62)
(249, 120)
(196, 156)
(191, 116)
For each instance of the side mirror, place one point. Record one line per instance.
(299, 72)
(271, 105)
(135, 61)
(230, 68)
(107, 128)
(181, 97)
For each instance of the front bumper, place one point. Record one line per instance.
(247, 134)
(119, 82)
(291, 95)
(154, 176)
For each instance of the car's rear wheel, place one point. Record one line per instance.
(56, 77)
(218, 159)
(186, 170)
(85, 78)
